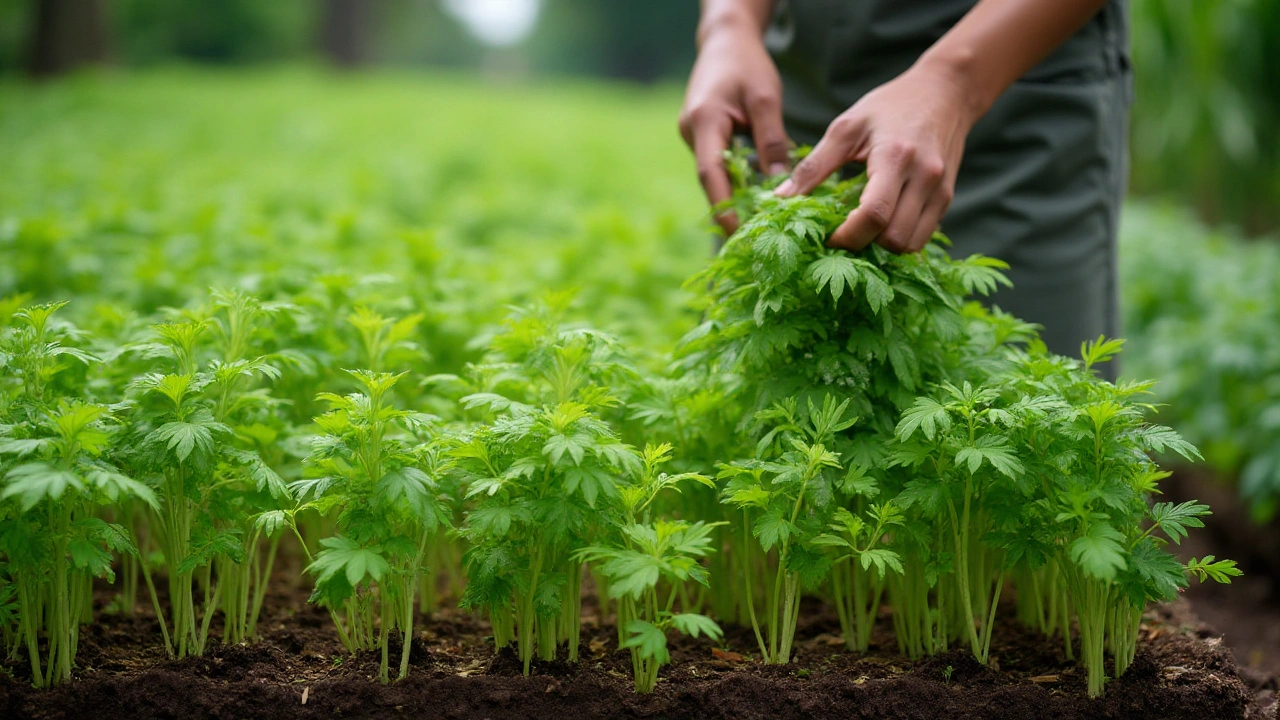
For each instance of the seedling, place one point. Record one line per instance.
(376, 467)
(639, 556)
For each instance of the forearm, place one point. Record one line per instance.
(751, 16)
(998, 41)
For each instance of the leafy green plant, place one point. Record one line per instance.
(1093, 462)
(871, 326)
(789, 499)
(698, 406)
(376, 467)
(56, 483)
(198, 430)
(540, 474)
(1043, 473)
(642, 554)
(798, 325)
(964, 459)
(947, 432)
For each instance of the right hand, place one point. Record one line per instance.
(734, 84)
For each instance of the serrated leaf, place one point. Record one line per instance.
(23, 447)
(345, 556)
(695, 625)
(1160, 574)
(927, 415)
(836, 271)
(270, 522)
(882, 559)
(772, 528)
(263, 476)
(1099, 552)
(1175, 519)
(647, 640)
(184, 438)
(879, 293)
(34, 482)
(117, 486)
(1208, 568)
(575, 445)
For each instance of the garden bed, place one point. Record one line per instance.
(299, 670)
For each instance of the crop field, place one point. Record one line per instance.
(343, 382)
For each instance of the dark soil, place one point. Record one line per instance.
(299, 670)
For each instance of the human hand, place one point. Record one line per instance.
(734, 84)
(910, 133)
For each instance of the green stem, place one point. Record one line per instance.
(384, 635)
(29, 614)
(960, 534)
(751, 608)
(991, 620)
(775, 609)
(155, 603)
(210, 605)
(260, 589)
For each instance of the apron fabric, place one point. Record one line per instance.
(1044, 171)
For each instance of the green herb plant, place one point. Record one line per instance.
(56, 485)
(375, 468)
(540, 476)
(199, 430)
(641, 554)
(789, 499)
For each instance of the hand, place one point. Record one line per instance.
(734, 83)
(910, 133)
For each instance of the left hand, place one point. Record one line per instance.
(910, 133)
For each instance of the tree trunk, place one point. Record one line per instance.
(344, 31)
(67, 34)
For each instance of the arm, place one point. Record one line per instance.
(910, 131)
(734, 84)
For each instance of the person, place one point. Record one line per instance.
(1005, 121)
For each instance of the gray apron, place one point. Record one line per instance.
(1044, 172)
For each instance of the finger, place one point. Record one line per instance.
(686, 130)
(843, 237)
(924, 177)
(885, 180)
(934, 210)
(710, 140)
(772, 145)
(897, 235)
(831, 152)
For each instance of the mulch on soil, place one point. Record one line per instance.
(299, 670)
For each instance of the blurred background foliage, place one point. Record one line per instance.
(1208, 90)
(1208, 106)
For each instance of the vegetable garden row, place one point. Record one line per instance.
(842, 425)
(795, 423)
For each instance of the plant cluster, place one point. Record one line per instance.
(851, 427)
(554, 486)
(914, 448)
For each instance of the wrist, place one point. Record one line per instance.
(956, 67)
(736, 23)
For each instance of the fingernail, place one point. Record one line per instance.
(778, 168)
(786, 189)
